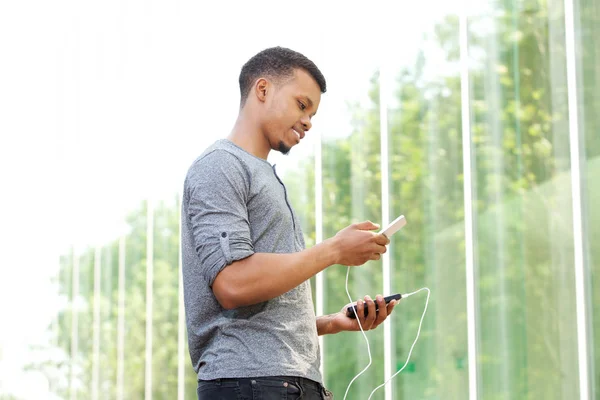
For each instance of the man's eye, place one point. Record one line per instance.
(302, 106)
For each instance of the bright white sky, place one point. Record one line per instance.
(103, 104)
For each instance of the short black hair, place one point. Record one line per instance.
(277, 63)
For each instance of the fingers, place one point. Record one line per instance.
(368, 305)
(377, 252)
(373, 318)
(384, 310)
(382, 240)
(360, 309)
(366, 226)
(380, 249)
(391, 305)
(372, 314)
(382, 313)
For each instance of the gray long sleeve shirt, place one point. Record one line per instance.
(234, 205)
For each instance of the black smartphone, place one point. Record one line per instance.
(351, 311)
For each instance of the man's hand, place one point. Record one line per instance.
(356, 244)
(340, 321)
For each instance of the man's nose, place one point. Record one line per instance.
(306, 124)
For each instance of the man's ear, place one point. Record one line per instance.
(261, 88)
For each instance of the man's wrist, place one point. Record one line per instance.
(332, 250)
(325, 325)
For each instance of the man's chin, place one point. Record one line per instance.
(283, 148)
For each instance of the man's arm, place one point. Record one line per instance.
(264, 276)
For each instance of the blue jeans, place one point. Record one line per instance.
(262, 388)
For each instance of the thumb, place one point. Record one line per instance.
(367, 226)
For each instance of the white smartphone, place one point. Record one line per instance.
(394, 226)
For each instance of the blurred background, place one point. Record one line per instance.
(477, 120)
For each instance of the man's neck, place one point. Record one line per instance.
(248, 136)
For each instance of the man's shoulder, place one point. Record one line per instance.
(219, 158)
(216, 155)
(220, 151)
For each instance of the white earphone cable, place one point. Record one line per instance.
(367, 340)
(364, 335)
(413, 345)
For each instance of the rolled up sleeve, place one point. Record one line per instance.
(217, 189)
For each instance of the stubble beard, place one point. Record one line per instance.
(283, 149)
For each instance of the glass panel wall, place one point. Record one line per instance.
(426, 185)
(524, 258)
(587, 32)
(351, 192)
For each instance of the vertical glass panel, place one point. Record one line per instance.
(165, 311)
(109, 292)
(426, 185)
(60, 362)
(587, 28)
(524, 257)
(135, 303)
(352, 193)
(84, 307)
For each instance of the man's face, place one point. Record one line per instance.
(289, 110)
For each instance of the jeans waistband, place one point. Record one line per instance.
(305, 382)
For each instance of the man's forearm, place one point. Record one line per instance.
(324, 325)
(264, 276)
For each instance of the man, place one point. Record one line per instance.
(251, 325)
